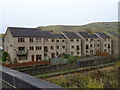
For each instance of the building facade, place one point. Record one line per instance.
(90, 43)
(33, 44)
(73, 43)
(29, 44)
(105, 42)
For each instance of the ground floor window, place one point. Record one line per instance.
(22, 57)
(38, 57)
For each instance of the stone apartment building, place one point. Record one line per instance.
(90, 43)
(105, 42)
(29, 44)
(33, 44)
(73, 43)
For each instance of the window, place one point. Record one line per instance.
(57, 40)
(98, 45)
(22, 57)
(108, 39)
(45, 48)
(52, 47)
(63, 47)
(38, 40)
(21, 48)
(105, 45)
(104, 50)
(77, 52)
(30, 39)
(21, 39)
(98, 50)
(98, 40)
(108, 45)
(52, 40)
(45, 40)
(72, 40)
(45, 54)
(87, 47)
(91, 39)
(77, 40)
(91, 45)
(38, 57)
(38, 47)
(72, 46)
(87, 51)
(31, 48)
(57, 47)
(77, 47)
(63, 40)
(72, 52)
(86, 39)
(104, 39)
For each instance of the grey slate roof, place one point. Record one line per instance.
(88, 35)
(29, 32)
(71, 35)
(60, 36)
(102, 35)
(115, 34)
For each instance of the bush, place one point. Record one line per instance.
(72, 59)
(66, 55)
(4, 56)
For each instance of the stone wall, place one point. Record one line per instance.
(45, 69)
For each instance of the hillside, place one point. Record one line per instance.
(94, 27)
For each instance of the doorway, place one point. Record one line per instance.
(32, 57)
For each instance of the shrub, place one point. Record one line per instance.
(66, 55)
(72, 59)
(4, 56)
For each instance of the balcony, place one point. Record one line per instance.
(45, 50)
(22, 52)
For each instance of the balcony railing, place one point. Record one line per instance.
(45, 50)
(22, 52)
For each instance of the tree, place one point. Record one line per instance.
(4, 56)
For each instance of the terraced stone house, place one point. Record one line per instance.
(105, 42)
(73, 43)
(90, 43)
(29, 44)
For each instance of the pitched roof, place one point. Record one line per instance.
(29, 32)
(102, 35)
(115, 34)
(71, 35)
(60, 36)
(88, 35)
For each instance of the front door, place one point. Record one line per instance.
(53, 55)
(32, 57)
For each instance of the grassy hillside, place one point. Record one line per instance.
(94, 27)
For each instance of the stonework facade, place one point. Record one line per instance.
(32, 44)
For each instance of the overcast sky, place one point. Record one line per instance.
(33, 13)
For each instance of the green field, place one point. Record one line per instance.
(106, 77)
